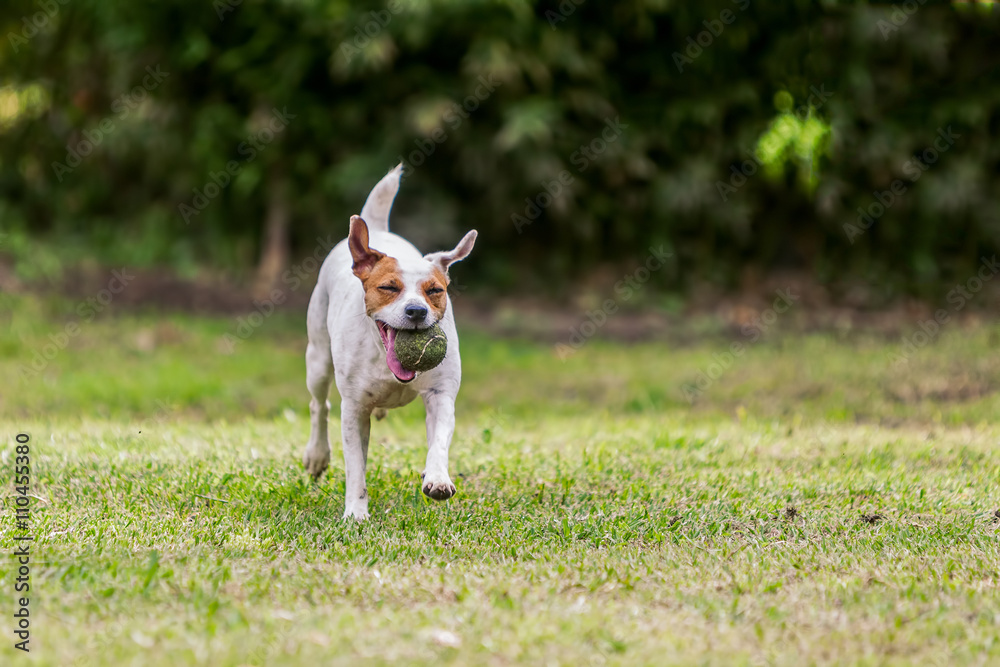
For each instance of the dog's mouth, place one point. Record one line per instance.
(389, 341)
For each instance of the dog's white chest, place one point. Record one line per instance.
(391, 395)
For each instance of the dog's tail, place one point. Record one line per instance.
(376, 209)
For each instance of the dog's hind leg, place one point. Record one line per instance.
(319, 374)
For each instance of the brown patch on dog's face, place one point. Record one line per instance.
(383, 284)
(434, 291)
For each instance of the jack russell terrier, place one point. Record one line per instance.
(371, 285)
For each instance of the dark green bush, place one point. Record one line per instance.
(560, 74)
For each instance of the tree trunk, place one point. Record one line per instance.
(274, 248)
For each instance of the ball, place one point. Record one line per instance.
(421, 349)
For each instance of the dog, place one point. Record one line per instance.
(371, 285)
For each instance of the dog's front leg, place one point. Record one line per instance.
(355, 427)
(440, 427)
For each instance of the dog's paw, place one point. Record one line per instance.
(438, 489)
(356, 514)
(316, 461)
(380, 413)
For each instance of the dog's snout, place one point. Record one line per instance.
(416, 313)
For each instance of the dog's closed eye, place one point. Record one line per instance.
(434, 290)
(388, 288)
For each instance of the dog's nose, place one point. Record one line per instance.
(415, 313)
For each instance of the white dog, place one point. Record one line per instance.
(372, 284)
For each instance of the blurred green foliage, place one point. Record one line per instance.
(488, 103)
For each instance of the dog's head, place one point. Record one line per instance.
(400, 294)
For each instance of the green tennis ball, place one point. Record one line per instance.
(421, 349)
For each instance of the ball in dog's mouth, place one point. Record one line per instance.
(421, 349)
(392, 361)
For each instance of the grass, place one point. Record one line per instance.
(816, 505)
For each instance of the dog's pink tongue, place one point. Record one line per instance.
(392, 361)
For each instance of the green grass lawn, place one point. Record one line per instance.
(818, 504)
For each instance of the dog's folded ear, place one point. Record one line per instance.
(364, 257)
(446, 258)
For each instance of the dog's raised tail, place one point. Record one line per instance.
(376, 209)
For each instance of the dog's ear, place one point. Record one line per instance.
(364, 257)
(446, 258)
